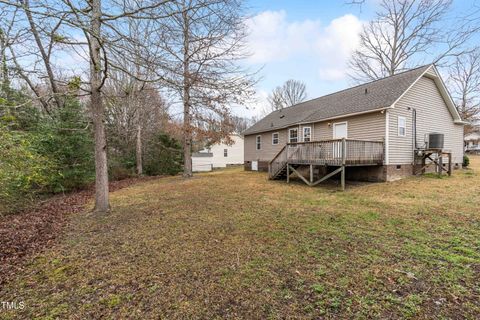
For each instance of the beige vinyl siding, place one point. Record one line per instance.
(400, 147)
(369, 126)
(432, 116)
(267, 151)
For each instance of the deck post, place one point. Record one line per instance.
(449, 163)
(424, 163)
(440, 164)
(288, 173)
(344, 160)
(311, 173)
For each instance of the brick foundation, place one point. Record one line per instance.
(398, 171)
(262, 166)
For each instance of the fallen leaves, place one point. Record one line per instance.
(31, 231)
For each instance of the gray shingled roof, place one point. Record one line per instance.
(379, 94)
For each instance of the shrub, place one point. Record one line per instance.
(121, 164)
(466, 161)
(163, 156)
(23, 172)
(64, 137)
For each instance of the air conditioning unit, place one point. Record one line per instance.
(435, 140)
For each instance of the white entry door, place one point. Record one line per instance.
(254, 165)
(339, 132)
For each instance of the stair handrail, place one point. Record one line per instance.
(281, 153)
(278, 153)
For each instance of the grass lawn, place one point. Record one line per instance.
(231, 244)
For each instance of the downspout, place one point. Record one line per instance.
(414, 133)
(387, 134)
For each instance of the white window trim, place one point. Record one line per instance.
(303, 133)
(398, 126)
(289, 134)
(256, 142)
(337, 123)
(278, 138)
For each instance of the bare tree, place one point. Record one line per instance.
(464, 81)
(290, 93)
(400, 33)
(61, 23)
(240, 124)
(6, 25)
(133, 86)
(135, 112)
(204, 41)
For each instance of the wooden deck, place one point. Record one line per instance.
(336, 152)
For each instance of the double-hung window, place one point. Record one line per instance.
(259, 142)
(402, 126)
(225, 153)
(293, 135)
(275, 138)
(307, 134)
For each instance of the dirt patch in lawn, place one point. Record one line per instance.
(33, 230)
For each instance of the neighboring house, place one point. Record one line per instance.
(219, 155)
(472, 142)
(385, 122)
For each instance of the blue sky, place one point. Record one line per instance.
(309, 41)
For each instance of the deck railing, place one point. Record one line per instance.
(335, 152)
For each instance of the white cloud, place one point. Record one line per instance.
(339, 39)
(273, 39)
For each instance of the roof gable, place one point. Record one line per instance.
(368, 97)
(433, 73)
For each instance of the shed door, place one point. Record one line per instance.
(254, 165)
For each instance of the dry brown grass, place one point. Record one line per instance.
(231, 244)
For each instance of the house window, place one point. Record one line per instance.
(275, 138)
(402, 126)
(259, 142)
(293, 135)
(225, 153)
(307, 134)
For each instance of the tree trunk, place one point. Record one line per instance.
(187, 133)
(98, 112)
(5, 85)
(187, 140)
(138, 150)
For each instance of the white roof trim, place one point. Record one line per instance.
(443, 92)
(408, 89)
